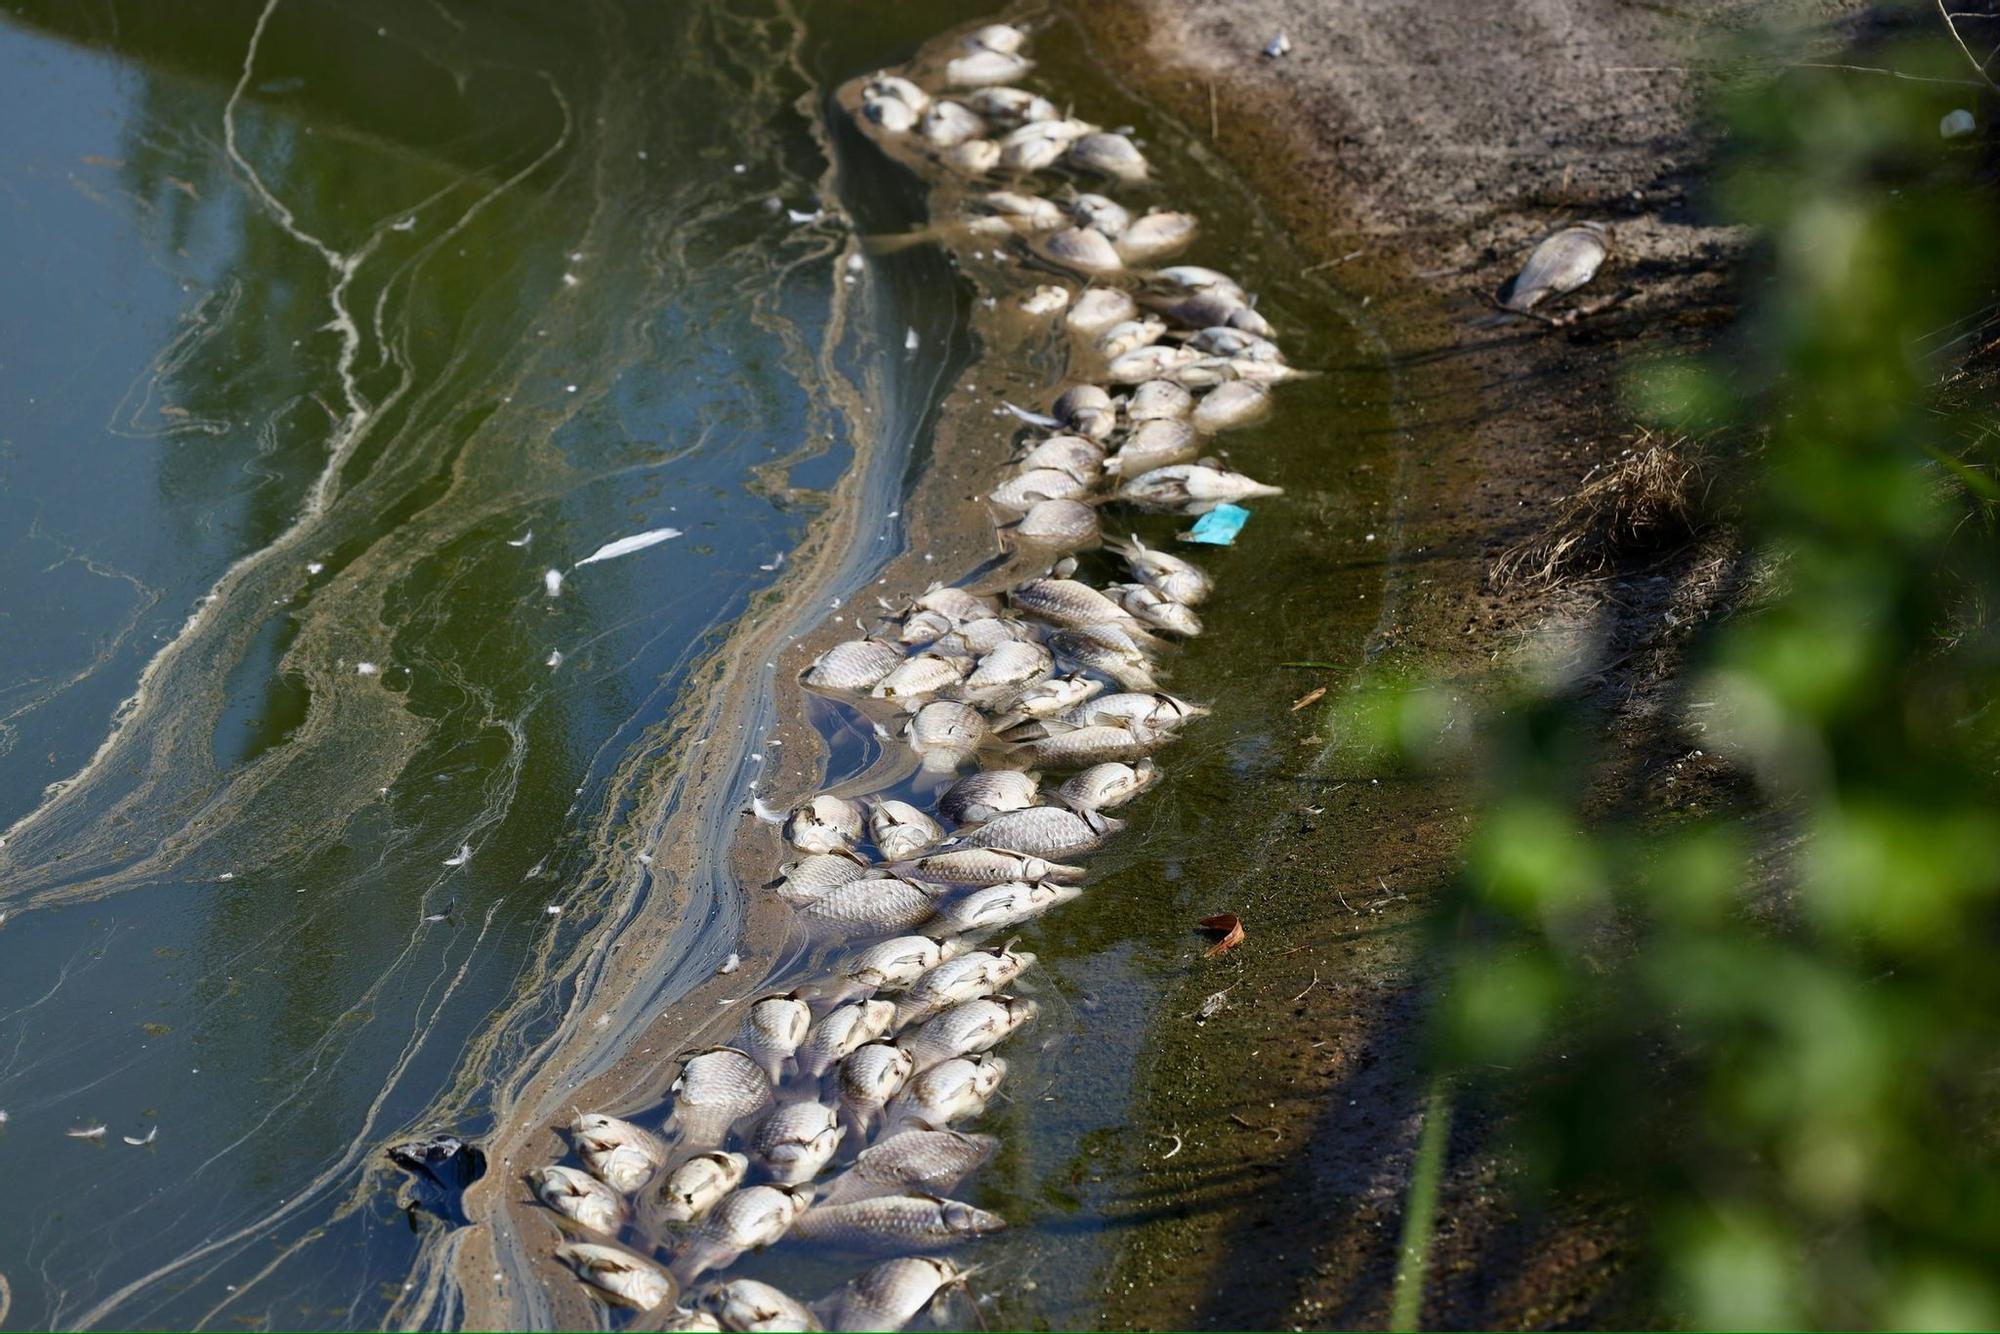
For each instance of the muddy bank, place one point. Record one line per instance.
(1418, 150)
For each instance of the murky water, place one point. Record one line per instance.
(330, 330)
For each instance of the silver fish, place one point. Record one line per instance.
(1087, 410)
(1154, 444)
(751, 1218)
(1205, 310)
(1103, 786)
(618, 1273)
(1100, 213)
(1107, 648)
(1150, 363)
(1002, 37)
(1193, 488)
(1066, 602)
(1139, 709)
(794, 1142)
(1156, 609)
(880, 903)
(1109, 155)
(997, 907)
(892, 114)
(840, 1031)
(920, 675)
(579, 1197)
(1064, 524)
(953, 1090)
(899, 88)
(1044, 300)
(870, 1076)
(961, 605)
(891, 1294)
(1237, 403)
(773, 1028)
(693, 1188)
(803, 881)
(912, 1162)
(1023, 491)
(1079, 456)
(1042, 831)
(1081, 747)
(1175, 578)
(990, 866)
(621, 1155)
(897, 1223)
(1223, 341)
(981, 796)
(966, 1029)
(854, 665)
(1157, 233)
(1011, 665)
(1192, 278)
(683, 1321)
(717, 1088)
(1128, 336)
(976, 638)
(1045, 699)
(1062, 131)
(983, 67)
(921, 626)
(946, 123)
(1022, 212)
(1031, 153)
(825, 824)
(1564, 261)
(892, 965)
(981, 973)
(1081, 249)
(1158, 400)
(945, 734)
(744, 1304)
(974, 157)
(1097, 309)
(899, 830)
(1011, 108)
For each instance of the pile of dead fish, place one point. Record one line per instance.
(1042, 701)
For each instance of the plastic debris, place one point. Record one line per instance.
(1218, 527)
(1277, 46)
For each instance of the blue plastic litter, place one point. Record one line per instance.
(1218, 527)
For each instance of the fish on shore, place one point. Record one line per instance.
(1564, 261)
(717, 1088)
(695, 1187)
(899, 830)
(621, 1155)
(618, 1273)
(870, 1076)
(747, 1220)
(579, 1197)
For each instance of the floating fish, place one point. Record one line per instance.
(899, 830)
(1045, 699)
(1063, 524)
(965, 1029)
(1042, 831)
(1011, 108)
(1079, 456)
(794, 1142)
(1109, 155)
(1067, 602)
(625, 546)
(877, 902)
(912, 1162)
(1023, 491)
(918, 676)
(773, 1028)
(748, 1220)
(945, 123)
(953, 1090)
(1107, 648)
(1158, 400)
(1192, 488)
(897, 1223)
(1045, 300)
(1100, 213)
(981, 796)
(1081, 747)
(1154, 444)
(1128, 336)
(1098, 309)
(1010, 666)
(1104, 786)
(578, 1196)
(552, 582)
(693, 1188)
(1155, 609)
(1161, 232)
(891, 1294)
(807, 879)
(717, 1088)
(984, 67)
(872, 1074)
(621, 1155)
(745, 1304)
(989, 866)
(945, 734)
(974, 157)
(981, 973)
(825, 824)
(840, 1031)
(1153, 709)
(1151, 363)
(893, 964)
(997, 907)
(1175, 578)
(618, 1273)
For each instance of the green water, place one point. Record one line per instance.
(328, 330)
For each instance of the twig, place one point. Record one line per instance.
(1309, 986)
(1214, 124)
(1951, 27)
(1331, 263)
(1171, 1152)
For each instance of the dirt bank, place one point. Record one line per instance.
(1421, 149)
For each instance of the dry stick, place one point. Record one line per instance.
(1951, 26)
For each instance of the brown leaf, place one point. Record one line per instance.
(1307, 698)
(1231, 927)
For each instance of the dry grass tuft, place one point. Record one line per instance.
(1644, 502)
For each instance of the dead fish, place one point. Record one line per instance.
(1223, 341)
(1081, 747)
(748, 1220)
(1042, 831)
(579, 1197)
(876, 903)
(1158, 233)
(1023, 491)
(1151, 363)
(1002, 37)
(980, 973)
(946, 123)
(1564, 261)
(891, 1294)
(683, 1321)
(1158, 400)
(621, 1155)
(744, 1304)
(1080, 249)
(1156, 609)
(981, 796)
(1204, 310)
(896, 87)
(893, 964)
(825, 824)
(1154, 444)
(1106, 648)
(1044, 300)
(1237, 403)
(953, 1090)
(803, 881)
(1108, 154)
(978, 638)
(1129, 336)
(1196, 280)
(921, 627)
(871, 1075)
(983, 67)
(794, 1142)
(892, 115)
(1024, 145)
(717, 1088)
(840, 1031)
(854, 665)
(1065, 602)
(959, 604)
(899, 830)
(1021, 212)
(897, 1223)
(1153, 709)
(912, 1162)
(997, 907)
(618, 1273)
(1067, 525)
(1101, 214)
(773, 1028)
(974, 157)
(990, 866)
(966, 1029)
(1009, 666)
(945, 734)
(1193, 488)
(920, 675)
(1098, 309)
(693, 1188)
(1079, 456)
(1087, 410)
(1010, 108)
(1046, 699)
(1181, 580)
(1104, 786)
